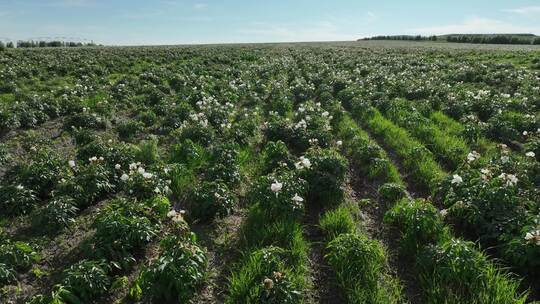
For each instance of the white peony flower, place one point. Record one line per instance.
(305, 162)
(140, 170)
(124, 177)
(456, 179)
(297, 198)
(472, 156)
(276, 187)
(147, 175)
(339, 143)
(117, 166)
(533, 237)
(530, 154)
(71, 163)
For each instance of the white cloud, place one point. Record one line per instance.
(477, 25)
(200, 6)
(526, 10)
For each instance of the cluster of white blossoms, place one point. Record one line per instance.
(198, 118)
(456, 179)
(510, 179)
(486, 173)
(533, 237)
(176, 217)
(95, 159)
(303, 163)
(530, 154)
(135, 168)
(472, 156)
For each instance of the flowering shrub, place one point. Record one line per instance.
(16, 200)
(209, 200)
(176, 273)
(275, 154)
(264, 278)
(280, 194)
(41, 173)
(224, 165)
(85, 120)
(143, 184)
(494, 204)
(324, 170)
(89, 183)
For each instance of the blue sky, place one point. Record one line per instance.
(134, 22)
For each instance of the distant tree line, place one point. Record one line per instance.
(403, 37)
(56, 43)
(494, 39)
(4, 46)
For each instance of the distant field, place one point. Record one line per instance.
(339, 172)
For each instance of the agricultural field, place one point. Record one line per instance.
(354, 172)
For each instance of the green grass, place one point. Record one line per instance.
(416, 158)
(365, 152)
(361, 269)
(336, 222)
(448, 269)
(446, 147)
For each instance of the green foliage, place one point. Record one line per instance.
(361, 268)
(416, 158)
(390, 193)
(419, 222)
(176, 273)
(250, 284)
(456, 272)
(130, 129)
(366, 153)
(286, 200)
(123, 228)
(147, 152)
(336, 222)
(257, 232)
(19, 255)
(85, 281)
(16, 200)
(209, 200)
(187, 153)
(325, 175)
(57, 214)
(274, 154)
(7, 275)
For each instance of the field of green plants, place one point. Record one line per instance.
(288, 173)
